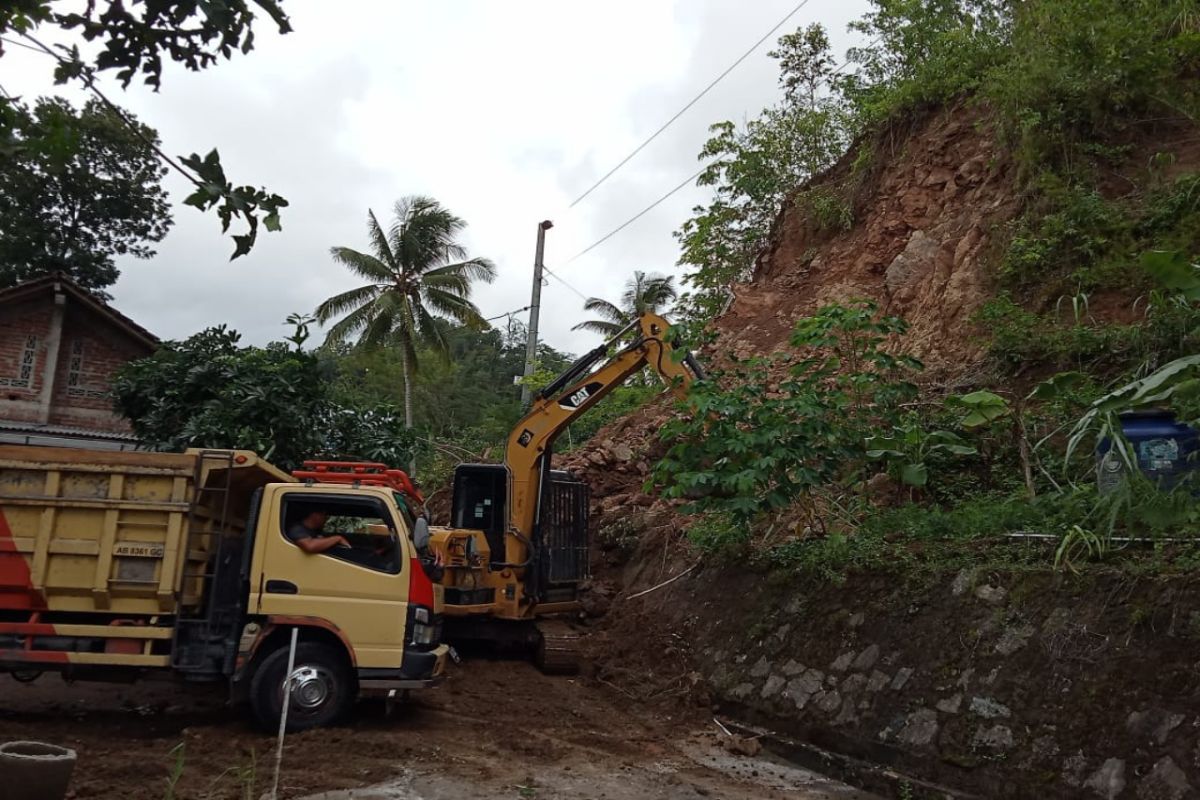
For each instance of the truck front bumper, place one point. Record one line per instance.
(420, 669)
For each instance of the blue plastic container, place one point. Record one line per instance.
(1167, 450)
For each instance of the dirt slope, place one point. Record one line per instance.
(993, 683)
(926, 212)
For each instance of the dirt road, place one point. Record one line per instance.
(493, 730)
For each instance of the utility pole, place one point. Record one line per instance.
(535, 307)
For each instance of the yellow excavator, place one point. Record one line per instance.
(516, 549)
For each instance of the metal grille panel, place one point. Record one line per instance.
(565, 531)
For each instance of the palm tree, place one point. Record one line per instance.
(642, 293)
(418, 276)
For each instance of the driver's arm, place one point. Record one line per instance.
(311, 545)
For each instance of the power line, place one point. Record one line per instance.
(636, 216)
(695, 175)
(88, 76)
(7, 40)
(507, 313)
(691, 103)
(582, 296)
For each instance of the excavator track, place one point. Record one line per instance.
(557, 648)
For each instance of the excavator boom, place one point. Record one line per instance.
(569, 396)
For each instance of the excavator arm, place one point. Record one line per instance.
(570, 395)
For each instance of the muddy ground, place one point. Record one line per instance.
(495, 729)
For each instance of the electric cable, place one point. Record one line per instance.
(690, 103)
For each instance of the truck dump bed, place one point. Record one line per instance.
(118, 533)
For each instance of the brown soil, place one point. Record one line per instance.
(495, 729)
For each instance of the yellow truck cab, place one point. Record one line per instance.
(115, 564)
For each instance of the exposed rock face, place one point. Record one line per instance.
(1154, 724)
(924, 222)
(997, 738)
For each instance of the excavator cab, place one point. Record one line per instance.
(479, 503)
(560, 537)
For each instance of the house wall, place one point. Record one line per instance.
(25, 330)
(90, 350)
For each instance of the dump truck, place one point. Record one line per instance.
(118, 565)
(516, 550)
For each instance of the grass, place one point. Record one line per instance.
(919, 541)
(179, 759)
(245, 775)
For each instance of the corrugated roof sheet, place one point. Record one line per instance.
(65, 430)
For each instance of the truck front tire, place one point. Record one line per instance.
(323, 688)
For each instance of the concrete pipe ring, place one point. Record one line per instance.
(35, 770)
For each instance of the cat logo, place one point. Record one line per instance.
(578, 397)
(525, 438)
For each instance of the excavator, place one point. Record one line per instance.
(516, 549)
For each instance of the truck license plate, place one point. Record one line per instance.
(138, 549)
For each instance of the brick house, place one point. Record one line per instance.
(59, 347)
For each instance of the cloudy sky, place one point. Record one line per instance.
(504, 111)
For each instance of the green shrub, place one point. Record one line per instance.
(1172, 217)
(765, 432)
(828, 209)
(1066, 241)
(1078, 73)
(832, 557)
(1019, 338)
(719, 534)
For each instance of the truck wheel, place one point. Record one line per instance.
(323, 689)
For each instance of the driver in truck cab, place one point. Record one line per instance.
(309, 534)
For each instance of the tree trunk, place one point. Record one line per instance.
(1023, 450)
(408, 401)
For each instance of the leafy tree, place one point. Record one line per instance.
(464, 407)
(805, 64)
(754, 168)
(473, 388)
(80, 188)
(418, 274)
(924, 51)
(642, 293)
(208, 391)
(134, 38)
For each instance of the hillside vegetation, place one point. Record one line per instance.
(929, 279)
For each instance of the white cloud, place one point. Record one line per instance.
(503, 111)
